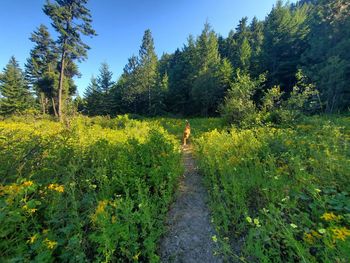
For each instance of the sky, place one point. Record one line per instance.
(120, 25)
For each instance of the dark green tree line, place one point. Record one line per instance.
(312, 36)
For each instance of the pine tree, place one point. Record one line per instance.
(130, 87)
(207, 49)
(41, 67)
(160, 93)
(244, 54)
(327, 60)
(105, 84)
(238, 46)
(178, 72)
(284, 42)
(224, 77)
(256, 41)
(14, 92)
(182, 72)
(242, 29)
(208, 61)
(71, 19)
(92, 97)
(148, 67)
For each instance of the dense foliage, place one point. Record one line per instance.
(96, 191)
(194, 80)
(14, 91)
(281, 194)
(310, 35)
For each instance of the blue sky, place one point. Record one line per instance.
(120, 25)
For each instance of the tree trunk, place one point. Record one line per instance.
(54, 107)
(42, 101)
(149, 99)
(60, 87)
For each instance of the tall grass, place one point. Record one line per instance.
(95, 191)
(282, 194)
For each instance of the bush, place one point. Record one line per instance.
(238, 107)
(96, 191)
(304, 99)
(283, 191)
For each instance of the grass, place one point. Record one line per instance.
(284, 191)
(96, 191)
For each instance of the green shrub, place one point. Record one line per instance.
(96, 191)
(238, 107)
(284, 191)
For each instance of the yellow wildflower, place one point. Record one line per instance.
(29, 210)
(214, 238)
(308, 238)
(340, 233)
(12, 189)
(100, 209)
(56, 187)
(331, 217)
(60, 189)
(249, 219)
(27, 183)
(101, 206)
(32, 239)
(311, 237)
(49, 243)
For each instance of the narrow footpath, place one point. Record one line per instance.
(189, 231)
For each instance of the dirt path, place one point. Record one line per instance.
(189, 232)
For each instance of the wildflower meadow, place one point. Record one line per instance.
(96, 191)
(280, 194)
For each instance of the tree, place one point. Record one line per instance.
(14, 91)
(206, 86)
(71, 19)
(256, 41)
(160, 93)
(92, 97)
(238, 49)
(105, 84)
(138, 85)
(285, 34)
(224, 77)
(148, 67)
(244, 54)
(238, 107)
(41, 67)
(130, 87)
(326, 61)
(98, 95)
(182, 72)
